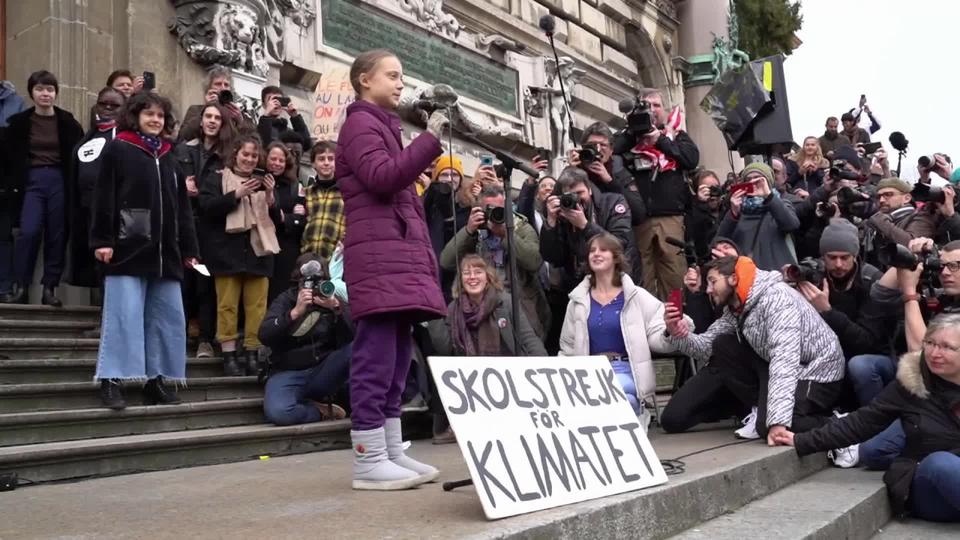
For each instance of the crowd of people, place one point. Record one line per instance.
(808, 287)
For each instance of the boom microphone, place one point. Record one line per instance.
(310, 269)
(626, 105)
(548, 23)
(899, 141)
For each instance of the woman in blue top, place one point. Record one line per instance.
(610, 316)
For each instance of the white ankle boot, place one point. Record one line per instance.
(395, 451)
(373, 469)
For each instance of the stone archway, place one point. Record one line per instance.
(650, 66)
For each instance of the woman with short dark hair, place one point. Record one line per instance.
(142, 232)
(40, 143)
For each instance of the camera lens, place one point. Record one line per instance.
(495, 214)
(568, 201)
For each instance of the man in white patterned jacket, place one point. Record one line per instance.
(770, 351)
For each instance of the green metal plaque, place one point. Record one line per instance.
(352, 29)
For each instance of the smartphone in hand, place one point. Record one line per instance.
(676, 298)
(149, 80)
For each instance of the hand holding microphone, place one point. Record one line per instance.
(438, 123)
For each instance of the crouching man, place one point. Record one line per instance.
(310, 335)
(770, 351)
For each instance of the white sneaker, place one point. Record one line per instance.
(644, 417)
(749, 429)
(845, 458)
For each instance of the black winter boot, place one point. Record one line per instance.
(253, 362)
(18, 295)
(155, 393)
(111, 394)
(50, 297)
(230, 366)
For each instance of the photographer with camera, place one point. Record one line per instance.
(606, 170)
(217, 88)
(658, 154)
(272, 124)
(309, 332)
(759, 220)
(934, 163)
(899, 221)
(485, 234)
(839, 287)
(703, 218)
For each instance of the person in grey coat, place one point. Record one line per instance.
(761, 222)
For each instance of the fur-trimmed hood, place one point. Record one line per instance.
(910, 375)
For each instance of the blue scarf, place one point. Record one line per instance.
(153, 143)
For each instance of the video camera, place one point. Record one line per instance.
(313, 279)
(638, 115)
(810, 270)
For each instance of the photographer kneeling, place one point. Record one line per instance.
(309, 332)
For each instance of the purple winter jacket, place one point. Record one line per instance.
(389, 264)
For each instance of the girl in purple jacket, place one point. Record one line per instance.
(389, 265)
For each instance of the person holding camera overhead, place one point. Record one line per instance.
(486, 235)
(271, 124)
(309, 333)
(238, 212)
(759, 221)
(217, 88)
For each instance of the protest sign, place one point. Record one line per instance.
(543, 432)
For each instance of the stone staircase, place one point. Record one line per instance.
(53, 428)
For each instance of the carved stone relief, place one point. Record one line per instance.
(430, 13)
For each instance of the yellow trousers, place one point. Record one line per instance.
(254, 292)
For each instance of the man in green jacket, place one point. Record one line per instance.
(486, 235)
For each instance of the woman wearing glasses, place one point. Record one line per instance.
(924, 480)
(84, 173)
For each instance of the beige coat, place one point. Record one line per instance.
(641, 322)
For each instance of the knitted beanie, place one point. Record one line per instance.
(759, 167)
(445, 162)
(840, 236)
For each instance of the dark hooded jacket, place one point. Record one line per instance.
(925, 404)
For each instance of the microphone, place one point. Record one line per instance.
(626, 105)
(548, 23)
(310, 269)
(899, 141)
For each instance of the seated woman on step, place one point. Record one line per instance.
(925, 480)
(609, 315)
(479, 322)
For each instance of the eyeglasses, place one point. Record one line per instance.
(933, 345)
(952, 266)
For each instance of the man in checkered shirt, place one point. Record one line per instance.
(326, 223)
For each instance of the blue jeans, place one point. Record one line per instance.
(879, 452)
(625, 378)
(935, 492)
(287, 392)
(143, 333)
(870, 373)
(43, 216)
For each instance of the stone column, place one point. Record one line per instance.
(700, 20)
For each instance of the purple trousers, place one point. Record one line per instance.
(382, 351)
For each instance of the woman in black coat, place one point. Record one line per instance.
(40, 147)
(925, 399)
(200, 161)
(281, 165)
(83, 180)
(142, 232)
(237, 215)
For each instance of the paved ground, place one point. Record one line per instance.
(295, 497)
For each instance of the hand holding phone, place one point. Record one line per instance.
(149, 80)
(745, 187)
(486, 160)
(676, 299)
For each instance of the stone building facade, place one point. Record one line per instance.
(491, 51)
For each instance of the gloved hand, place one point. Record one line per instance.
(437, 123)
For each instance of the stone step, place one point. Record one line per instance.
(79, 395)
(136, 453)
(916, 529)
(46, 329)
(290, 491)
(59, 370)
(52, 426)
(32, 312)
(34, 347)
(833, 503)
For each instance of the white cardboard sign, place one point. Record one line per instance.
(540, 432)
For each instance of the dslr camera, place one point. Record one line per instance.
(323, 288)
(715, 192)
(855, 202)
(926, 193)
(495, 215)
(569, 201)
(588, 154)
(225, 97)
(838, 171)
(810, 270)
